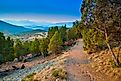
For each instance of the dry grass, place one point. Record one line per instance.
(51, 73)
(103, 62)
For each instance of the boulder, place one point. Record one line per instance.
(16, 60)
(14, 67)
(23, 66)
(29, 56)
(20, 58)
(57, 79)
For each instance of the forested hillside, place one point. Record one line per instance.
(56, 41)
(10, 29)
(101, 26)
(88, 51)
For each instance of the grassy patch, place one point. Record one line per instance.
(29, 77)
(59, 73)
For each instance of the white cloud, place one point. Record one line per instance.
(38, 17)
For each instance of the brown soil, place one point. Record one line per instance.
(103, 62)
(79, 67)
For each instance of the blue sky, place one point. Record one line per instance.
(40, 10)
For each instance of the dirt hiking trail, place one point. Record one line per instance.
(78, 66)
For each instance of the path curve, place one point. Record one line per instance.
(78, 66)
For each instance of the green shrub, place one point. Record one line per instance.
(55, 73)
(29, 77)
(113, 64)
(93, 40)
(60, 73)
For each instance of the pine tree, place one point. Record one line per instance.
(52, 31)
(9, 50)
(44, 46)
(63, 33)
(55, 43)
(27, 47)
(2, 45)
(107, 17)
(18, 48)
(35, 47)
(101, 24)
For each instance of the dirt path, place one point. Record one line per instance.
(78, 66)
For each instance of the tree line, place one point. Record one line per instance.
(54, 43)
(101, 26)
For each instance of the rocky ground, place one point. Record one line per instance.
(53, 73)
(30, 67)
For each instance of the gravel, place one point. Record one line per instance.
(18, 75)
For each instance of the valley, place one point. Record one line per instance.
(60, 40)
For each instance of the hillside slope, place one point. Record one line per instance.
(11, 29)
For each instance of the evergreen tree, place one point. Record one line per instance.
(63, 33)
(9, 50)
(52, 31)
(27, 47)
(44, 46)
(101, 20)
(107, 18)
(55, 43)
(18, 48)
(2, 45)
(35, 46)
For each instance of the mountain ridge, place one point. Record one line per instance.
(8, 28)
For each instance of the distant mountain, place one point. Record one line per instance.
(18, 27)
(46, 27)
(38, 27)
(38, 30)
(29, 23)
(11, 29)
(26, 23)
(68, 24)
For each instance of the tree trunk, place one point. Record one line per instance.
(116, 60)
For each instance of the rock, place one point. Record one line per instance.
(7, 70)
(108, 72)
(57, 79)
(16, 60)
(96, 56)
(78, 65)
(99, 67)
(100, 62)
(29, 56)
(104, 63)
(95, 60)
(102, 52)
(44, 77)
(93, 65)
(14, 67)
(97, 70)
(20, 58)
(90, 58)
(23, 66)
